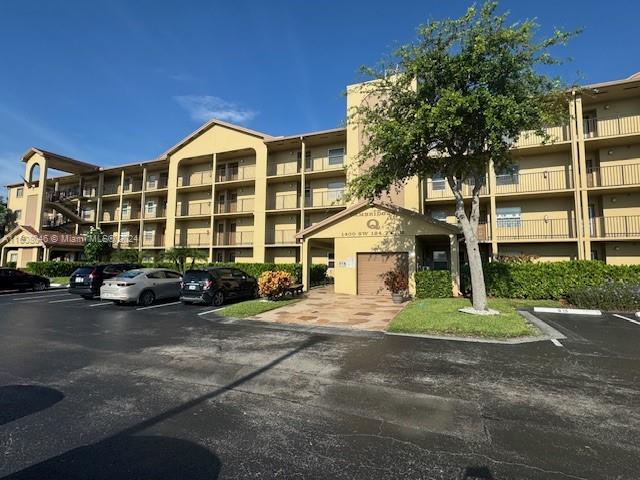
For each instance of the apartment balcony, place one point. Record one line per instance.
(439, 189)
(615, 227)
(611, 126)
(132, 187)
(282, 237)
(283, 169)
(234, 239)
(614, 176)
(89, 191)
(130, 215)
(193, 209)
(326, 164)
(284, 202)
(63, 195)
(157, 212)
(152, 241)
(329, 198)
(543, 229)
(241, 205)
(111, 189)
(192, 239)
(546, 181)
(156, 185)
(530, 138)
(195, 179)
(234, 175)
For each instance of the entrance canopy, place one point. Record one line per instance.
(371, 238)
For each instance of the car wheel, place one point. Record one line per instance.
(146, 298)
(218, 298)
(256, 293)
(39, 286)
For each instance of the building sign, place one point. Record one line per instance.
(375, 223)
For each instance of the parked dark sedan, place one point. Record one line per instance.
(213, 286)
(12, 279)
(86, 281)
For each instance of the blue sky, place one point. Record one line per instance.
(115, 81)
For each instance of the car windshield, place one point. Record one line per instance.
(83, 270)
(130, 274)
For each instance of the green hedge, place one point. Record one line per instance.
(54, 269)
(553, 280)
(433, 284)
(64, 269)
(612, 296)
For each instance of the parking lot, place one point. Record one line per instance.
(89, 389)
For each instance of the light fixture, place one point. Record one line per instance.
(614, 199)
(610, 152)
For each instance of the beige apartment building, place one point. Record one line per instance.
(245, 196)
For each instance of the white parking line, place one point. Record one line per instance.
(211, 311)
(556, 342)
(43, 296)
(66, 300)
(101, 304)
(53, 290)
(158, 306)
(627, 318)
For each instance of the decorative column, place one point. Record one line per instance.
(306, 264)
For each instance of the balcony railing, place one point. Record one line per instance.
(193, 208)
(547, 181)
(552, 228)
(111, 189)
(234, 238)
(611, 126)
(132, 187)
(288, 168)
(155, 213)
(614, 175)
(130, 215)
(530, 138)
(63, 195)
(244, 173)
(194, 179)
(328, 198)
(615, 227)
(157, 185)
(153, 241)
(192, 239)
(323, 164)
(281, 202)
(441, 189)
(241, 205)
(279, 237)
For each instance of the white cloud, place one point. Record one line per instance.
(203, 108)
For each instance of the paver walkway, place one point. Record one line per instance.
(323, 307)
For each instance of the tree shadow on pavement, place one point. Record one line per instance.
(17, 401)
(129, 454)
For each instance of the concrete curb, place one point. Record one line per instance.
(568, 311)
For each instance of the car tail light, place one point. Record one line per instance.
(181, 285)
(92, 275)
(125, 284)
(208, 284)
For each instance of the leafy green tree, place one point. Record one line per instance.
(126, 255)
(8, 218)
(181, 256)
(450, 102)
(97, 246)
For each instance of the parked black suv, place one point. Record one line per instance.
(12, 279)
(86, 281)
(214, 285)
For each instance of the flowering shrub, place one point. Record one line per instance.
(395, 281)
(274, 284)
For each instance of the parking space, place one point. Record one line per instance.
(132, 387)
(616, 335)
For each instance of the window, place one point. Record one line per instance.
(440, 261)
(86, 214)
(170, 274)
(336, 156)
(150, 207)
(152, 181)
(149, 235)
(232, 257)
(18, 214)
(439, 215)
(156, 275)
(125, 209)
(219, 257)
(19, 192)
(331, 260)
(508, 217)
(438, 182)
(508, 175)
(307, 222)
(336, 189)
(13, 257)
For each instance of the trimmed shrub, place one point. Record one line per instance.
(318, 275)
(11, 264)
(433, 284)
(273, 285)
(256, 269)
(54, 269)
(553, 280)
(612, 296)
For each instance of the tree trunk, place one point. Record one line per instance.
(470, 231)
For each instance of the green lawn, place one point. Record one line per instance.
(254, 307)
(440, 316)
(60, 280)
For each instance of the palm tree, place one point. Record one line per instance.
(181, 255)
